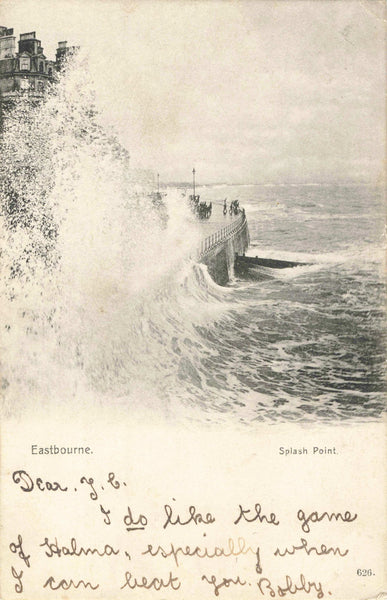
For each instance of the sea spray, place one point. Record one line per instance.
(103, 306)
(85, 253)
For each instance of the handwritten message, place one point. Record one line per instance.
(165, 514)
(152, 551)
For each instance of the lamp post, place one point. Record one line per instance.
(193, 181)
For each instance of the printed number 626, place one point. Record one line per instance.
(364, 572)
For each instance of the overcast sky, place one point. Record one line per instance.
(245, 91)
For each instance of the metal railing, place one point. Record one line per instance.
(225, 233)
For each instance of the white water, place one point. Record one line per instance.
(102, 306)
(79, 309)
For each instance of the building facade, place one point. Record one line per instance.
(26, 69)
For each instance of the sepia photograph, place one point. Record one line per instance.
(192, 205)
(193, 218)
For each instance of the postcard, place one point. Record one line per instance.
(193, 322)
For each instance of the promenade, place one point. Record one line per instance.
(216, 227)
(217, 220)
(221, 236)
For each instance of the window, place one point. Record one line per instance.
(25, 63)
(40, 86)
(50, 71)
(40, 67)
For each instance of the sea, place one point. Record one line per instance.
(105, 304)
(308, 342)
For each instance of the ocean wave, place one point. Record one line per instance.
(102, 299)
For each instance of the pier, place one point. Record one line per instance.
(222, 249)
(224, 236)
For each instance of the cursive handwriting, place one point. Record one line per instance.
(18, 577)
(133, 524)
(244, 513)
(113, 481)
(290, 587)
(304, 546)
(19, 546)
(225, 582)
(66, 585)
(157, 583)
(27, 484)
(194, 517)
(90, 482)
(106, 512)
(315, 517)
(54, 549)
(232, 549)
(185, 554)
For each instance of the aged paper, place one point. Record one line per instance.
(178, 421)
